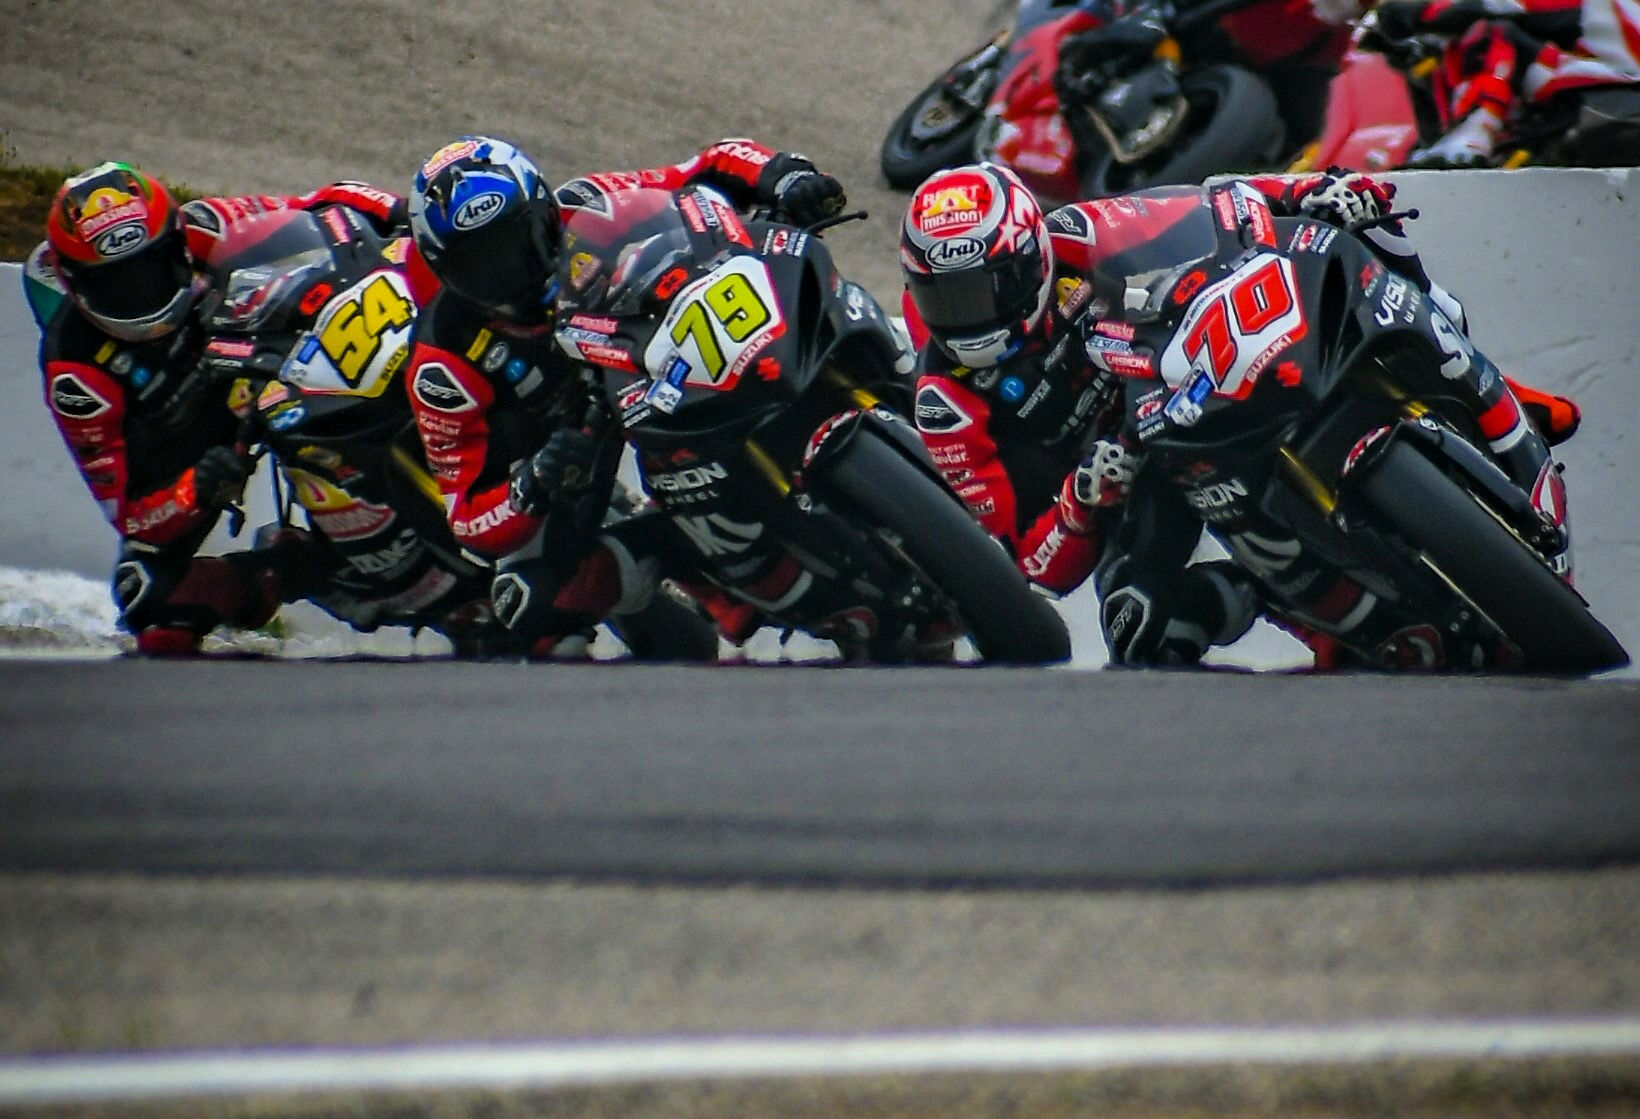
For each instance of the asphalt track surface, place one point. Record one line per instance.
(883, 777)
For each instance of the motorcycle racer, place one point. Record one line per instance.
(117, 286)
(497, 402)
(1022, 344)
(1502, 54)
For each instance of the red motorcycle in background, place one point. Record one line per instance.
(1155, 101)
(1382, 107)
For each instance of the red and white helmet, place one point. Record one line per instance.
(977, 261)
(122, 252)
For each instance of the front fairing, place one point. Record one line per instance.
(701, 326)
(310, 321)
(1026, 130)
(1271, 361)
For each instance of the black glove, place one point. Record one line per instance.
(1400, 19)
(557, 476)
(219, 477)
(793, 185)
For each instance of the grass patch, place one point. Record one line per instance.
(25, 196)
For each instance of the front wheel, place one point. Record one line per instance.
(1232, 124)
(1008, 622)
(1493, 568)
(937, 129)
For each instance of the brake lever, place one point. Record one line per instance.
(1384, 219)
(835, 220)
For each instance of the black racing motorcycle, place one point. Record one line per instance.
(1297, 394)
(310, 323)
(766, 397)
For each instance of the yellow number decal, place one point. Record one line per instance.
(737, 306)
(354, 333)
(738, 309)
(693, 323)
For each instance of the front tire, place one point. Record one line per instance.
(1008, 622)
(933, 132)
(1233, 125)
(1499, 573)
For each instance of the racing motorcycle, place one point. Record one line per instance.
(1136, 112)
(765, 398)
(1381, 107)
(1294, 393)
(309, 321)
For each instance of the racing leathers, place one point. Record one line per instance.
(157, 444)
(1034, 446)
(489, 393)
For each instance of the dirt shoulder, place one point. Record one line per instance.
(283, 97)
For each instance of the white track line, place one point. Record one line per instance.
(64, 1079)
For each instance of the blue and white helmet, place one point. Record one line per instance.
(485, 220)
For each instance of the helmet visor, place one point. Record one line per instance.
(508, 268)
(133, 297)
(976, 299)
(135, 286)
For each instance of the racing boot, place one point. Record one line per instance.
(1555, 417)
(170, 610)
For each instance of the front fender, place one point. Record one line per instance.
(1454, 456)
(889, 426)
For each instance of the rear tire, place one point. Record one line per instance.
(1008, 622)
(1536, 608)
(1233, 125)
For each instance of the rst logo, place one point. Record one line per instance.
(73, 398)
(437, 388)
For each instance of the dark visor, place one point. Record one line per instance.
(137, 286)
(978, 299)
(507, 265)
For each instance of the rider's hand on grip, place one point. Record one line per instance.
(802, 192)
(1101, 480)
(1345, 199)
(219, 477)
(557, 475)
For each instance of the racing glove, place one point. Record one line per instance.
(1101, 480)
(793, 185)
(219, 477)
(557, 476)
(1342, 198)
